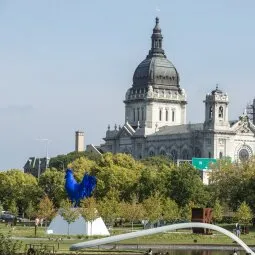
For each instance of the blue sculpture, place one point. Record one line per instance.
(77, 191)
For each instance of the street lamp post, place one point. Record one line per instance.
(47, 141)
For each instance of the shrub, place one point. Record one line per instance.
(9, 246)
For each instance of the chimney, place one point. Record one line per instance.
(79, 141)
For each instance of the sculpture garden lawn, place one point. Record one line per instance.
(26, 234)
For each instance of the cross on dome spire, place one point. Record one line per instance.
(156, 41)
(157, 28)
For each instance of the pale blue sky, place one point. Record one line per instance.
(66, 65)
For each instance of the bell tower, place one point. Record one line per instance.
(216, 110)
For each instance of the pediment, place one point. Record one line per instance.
(244, 127)
(125, 132)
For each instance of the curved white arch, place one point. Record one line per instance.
(121, 237)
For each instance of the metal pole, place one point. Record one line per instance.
(39, 168)
(47, 143)
(47, 151)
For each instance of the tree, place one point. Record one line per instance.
(30, 211)
(225, 181)
(88, 210)
(120, 172)
(1, 209)
(153, 208)
(8, 246)
(132, 211)
(68, 213)
(170, 210)
(13, 208)
(61, 162)
(46, 209)
(109, 207)
(217, 211)
(244, 214)
(185, 186)
(154, 176)
(19, 187)
(52, 182)
(185, 212)
(234, 183)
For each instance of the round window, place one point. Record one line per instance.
(243, 154)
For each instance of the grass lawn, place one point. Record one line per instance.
(27, 235)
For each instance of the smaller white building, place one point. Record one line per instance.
(59, 226)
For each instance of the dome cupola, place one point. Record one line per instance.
(156, 70)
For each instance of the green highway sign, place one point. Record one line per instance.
(203, 163)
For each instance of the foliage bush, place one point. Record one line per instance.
(227, 219)
(9, 246)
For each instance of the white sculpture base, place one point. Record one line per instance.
(59, 226)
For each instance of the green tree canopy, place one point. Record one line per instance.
(68, 213)
(217, 211)
(81, 166)
(170, 210)
(88, 210)
(30, 210)
(18, 187)
(185, 186)
(61, 162)
(46, 209)
(234, 183)
(109, 207)
(132, 211)
(120, 172)
(13, 208)
(244, 214)
(186, 211)
(52, 182)
(1, 209)
(153, 208)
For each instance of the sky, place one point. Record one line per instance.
(66, 65)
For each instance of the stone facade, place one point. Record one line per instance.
(155, 113)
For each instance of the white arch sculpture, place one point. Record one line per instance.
(152, 231)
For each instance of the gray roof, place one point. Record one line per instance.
(155, 71)
(178, 129)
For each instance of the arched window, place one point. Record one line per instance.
(173, 115)
(220, 155)
(162, 152)
(134, 114)
(220, 112)
(142, 113)
(166, 115)
(138, 114)
(174, 154)
(210, 113)
(151, 153)
(160, 44)
(197, 152)
(185, 154)
(160, 114)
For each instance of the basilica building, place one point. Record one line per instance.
(155, 117)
